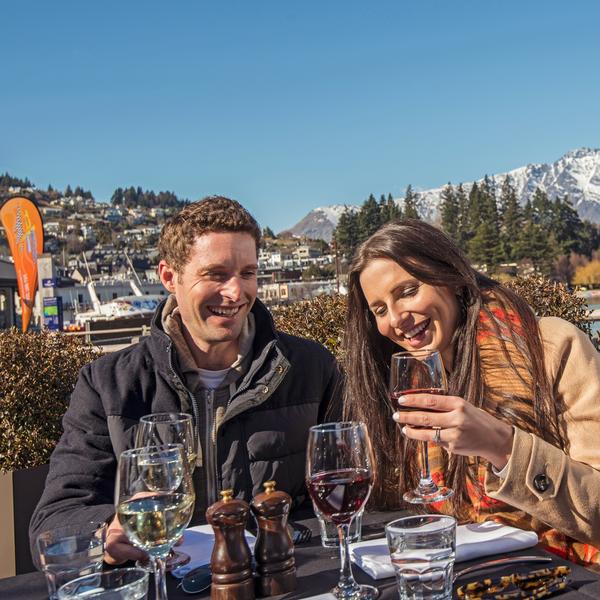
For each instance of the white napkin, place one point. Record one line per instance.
(472, 541)
(198, 542)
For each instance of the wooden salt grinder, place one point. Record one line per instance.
(274, 549)
(231, 560)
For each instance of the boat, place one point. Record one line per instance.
(120, 309)
(124, 312)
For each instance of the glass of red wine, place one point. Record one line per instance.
(419, 372)
(339, 477)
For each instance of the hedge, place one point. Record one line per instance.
(40, 369)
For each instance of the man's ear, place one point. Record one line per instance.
(167, 276)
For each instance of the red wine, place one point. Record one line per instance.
(339, 495)
(395, 395)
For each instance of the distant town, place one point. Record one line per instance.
(114, 247)
(100, 258)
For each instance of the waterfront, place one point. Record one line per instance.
(595, 324)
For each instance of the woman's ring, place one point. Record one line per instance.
(437, 436)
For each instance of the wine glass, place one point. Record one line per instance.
(170, 428)
(157, 429)
(154, 498)
(339, 477)
(419, 372)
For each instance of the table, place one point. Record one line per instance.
(312, 560)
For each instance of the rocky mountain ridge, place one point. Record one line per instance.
(576, 174)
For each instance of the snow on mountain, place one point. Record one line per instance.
(576, 174)
(320, 222)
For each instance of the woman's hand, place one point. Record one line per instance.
(463, 428)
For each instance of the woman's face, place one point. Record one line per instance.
(413, 314)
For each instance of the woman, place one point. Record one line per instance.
(519, 431)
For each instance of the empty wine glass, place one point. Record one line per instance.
(156, 429)
(419, 372)
(339, 477)
(154, 499)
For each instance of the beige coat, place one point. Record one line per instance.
(561, 490)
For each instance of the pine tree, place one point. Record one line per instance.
(450, 212)
(485, 246)
(535, 244)
(566, 226)
(511, 218)
(411, 204)
(393, 210)
(383, 209)
(589, 238)
(117, 198)
(346, 232)
(369, 218)
(388, 209)
(267, 232)
(542, 209)
(473, 215)
(463, 232)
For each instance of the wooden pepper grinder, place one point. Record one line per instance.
(274, 549)
(231, 560)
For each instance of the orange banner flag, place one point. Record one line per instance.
(23, 226)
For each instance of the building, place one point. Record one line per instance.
(8, 294)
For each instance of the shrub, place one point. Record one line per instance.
(552, 299)
(40, 369)
(321, 319)
(38, 375)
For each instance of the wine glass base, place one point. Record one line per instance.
(362, 592)
(175, 560)
(439, 494)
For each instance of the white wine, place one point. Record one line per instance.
(161, 474)
(191, 458)
(156, 522)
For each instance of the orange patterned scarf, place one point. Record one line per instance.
(503, 384)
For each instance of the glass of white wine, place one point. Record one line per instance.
(154, 499)
(156, 429)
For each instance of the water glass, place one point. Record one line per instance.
(329, 531)
(118, 584)
(68, 552)
(422, 550)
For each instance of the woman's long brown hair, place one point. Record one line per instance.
(433, 258)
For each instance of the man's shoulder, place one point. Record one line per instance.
(303, 346)
(127, 360)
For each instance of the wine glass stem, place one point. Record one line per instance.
(160, 577)
(425, 474)
(346, 582)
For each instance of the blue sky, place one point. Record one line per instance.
(285, 105)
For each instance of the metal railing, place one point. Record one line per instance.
(105, 335)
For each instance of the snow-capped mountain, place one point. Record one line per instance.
(320, 222)
(576, 174)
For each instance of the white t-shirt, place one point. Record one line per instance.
(212, 379)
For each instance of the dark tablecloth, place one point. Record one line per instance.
(318, 571)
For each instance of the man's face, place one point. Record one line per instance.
(216, 289)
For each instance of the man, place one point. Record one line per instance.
(213, 352)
